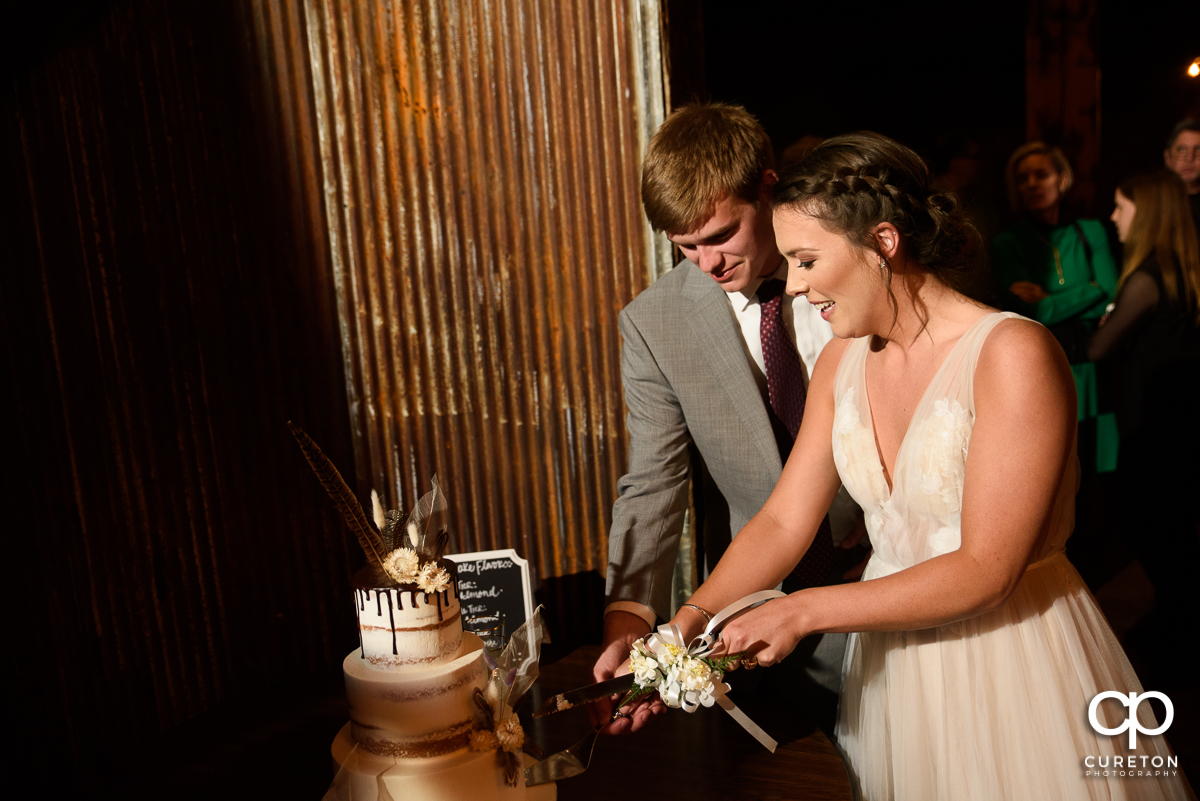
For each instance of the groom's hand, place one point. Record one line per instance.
(851, 542)
(621, 629)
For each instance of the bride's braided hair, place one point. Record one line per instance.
(852, 183)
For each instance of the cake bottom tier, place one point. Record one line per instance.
(463, 774)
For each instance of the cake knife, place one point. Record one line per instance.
(585, 695)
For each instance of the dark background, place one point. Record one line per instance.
(919, 72)
(1146, 48)
(234, 331)
(912, 71)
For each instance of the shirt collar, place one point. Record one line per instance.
(744, 298)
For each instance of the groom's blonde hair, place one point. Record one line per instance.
(701, 154)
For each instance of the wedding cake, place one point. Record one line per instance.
(428, 719)
(411, 686)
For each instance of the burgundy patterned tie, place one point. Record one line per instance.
(785, 386)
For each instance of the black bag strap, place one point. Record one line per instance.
(1087, 246)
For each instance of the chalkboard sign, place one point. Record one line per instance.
(494, 593)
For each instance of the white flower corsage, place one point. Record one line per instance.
(682, 681)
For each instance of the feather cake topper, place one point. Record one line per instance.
(405, 553)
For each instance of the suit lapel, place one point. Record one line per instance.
(713, 325)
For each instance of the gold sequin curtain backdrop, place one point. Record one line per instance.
(480, 172)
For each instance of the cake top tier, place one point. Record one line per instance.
(403, 626)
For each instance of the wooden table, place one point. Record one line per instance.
(704, 755)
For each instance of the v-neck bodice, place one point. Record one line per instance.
(951, 357)
(920, 515)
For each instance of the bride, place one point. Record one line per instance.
(976, 647)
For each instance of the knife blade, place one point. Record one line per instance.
(585, 695)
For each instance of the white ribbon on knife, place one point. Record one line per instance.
(701, 646)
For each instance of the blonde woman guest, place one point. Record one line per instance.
(1152, 334)
(1059, 271)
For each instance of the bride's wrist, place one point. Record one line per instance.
(801, 611)
(691, 619)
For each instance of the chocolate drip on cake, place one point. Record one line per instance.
(360, 605)
(391, 621)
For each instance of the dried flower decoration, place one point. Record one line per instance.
(484, 741)
(377, 511)
(433, 578)
(493, 711)
(511, 735)
(507, 735)
(403, 565)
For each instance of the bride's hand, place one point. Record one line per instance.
(691, 622)
(769, 633)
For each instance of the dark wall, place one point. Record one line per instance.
(162, 316)
(941, 77)
(912, 71)
(921, 71)
(1145, 50)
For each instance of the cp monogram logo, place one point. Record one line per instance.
(1131, 701)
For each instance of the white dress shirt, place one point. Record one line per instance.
(805, 328)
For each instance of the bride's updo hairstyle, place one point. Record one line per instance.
(852, 183)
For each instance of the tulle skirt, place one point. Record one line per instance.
(997, 706)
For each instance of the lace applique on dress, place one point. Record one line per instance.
(857, 454)
(943, 456)
(845, 418)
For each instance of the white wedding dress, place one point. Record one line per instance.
(995, 706)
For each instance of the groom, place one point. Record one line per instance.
(715, 363)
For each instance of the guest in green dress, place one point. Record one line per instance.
(1060, 272)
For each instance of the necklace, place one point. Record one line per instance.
(1057, 257)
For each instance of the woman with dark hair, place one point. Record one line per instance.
(1153, 333)
(975, 646)
(1060, 272)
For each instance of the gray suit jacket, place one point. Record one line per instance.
(694, 409)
